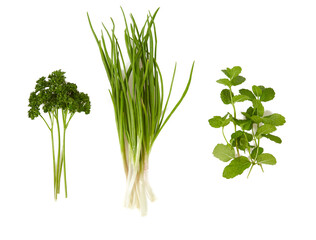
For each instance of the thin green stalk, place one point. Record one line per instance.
(53, 150)
(45, 121)
(64, 161)
(248, 148)
(250, 170)
(254, 137)
(224, 136)
(71, 115)
(59, 154)
(178, 103)
(257, 153)
(232, 102)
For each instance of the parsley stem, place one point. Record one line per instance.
(64, 161)
(53, 150)
(63, 158)
(44, 121)
(71, 115)
(59, 155)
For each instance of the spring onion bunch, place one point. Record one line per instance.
(137, 93)
(60, 100)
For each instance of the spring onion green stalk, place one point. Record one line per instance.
(137, 94)
(60, 100)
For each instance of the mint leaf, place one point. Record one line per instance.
(272, 138)
(250, 111)
(267, 94)
(216, 122)
(225, 82)
(226, 122)
(254, 152)
(246, 115)
(231, 73)
(243, 143)
(258, 106)
(237, 80)
(247, 93)
(256, 90)
(225, 96)
(240, 98)
(261, 87)
(224, 152)
(241, 139)
(245, 124)
(236, 167)
(266, 158)
(249, 136)
(265, 129)
(235, 71)
(237, 134)
(256, 119)
(274, 119)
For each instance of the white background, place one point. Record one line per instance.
(274, 43)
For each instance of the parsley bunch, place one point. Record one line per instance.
(57, 98)
(243, 150)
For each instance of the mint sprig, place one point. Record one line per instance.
(243, 150)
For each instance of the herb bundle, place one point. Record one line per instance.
(248, 132)
(137, 93)
(60, 100)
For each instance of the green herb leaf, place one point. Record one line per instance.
(237, 134)
(242, 139)
(245, 124)
(258, 106)
(274, 119)
(267, 94)
(226, 120)
(225, 96)
(246, 115)
(249, 136)
(266, 158)
(231, 73)
(236, 167)
(225, 82)
(261, 87)
(247, 93)
(250, 111)
(256, 119)
(235, 71)
(243, 143)
(272, 138)
(265, 129)
(256, 90)
(224, 152)
(216, 122)
(240, 98)
(237, 80)
(254, 152)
